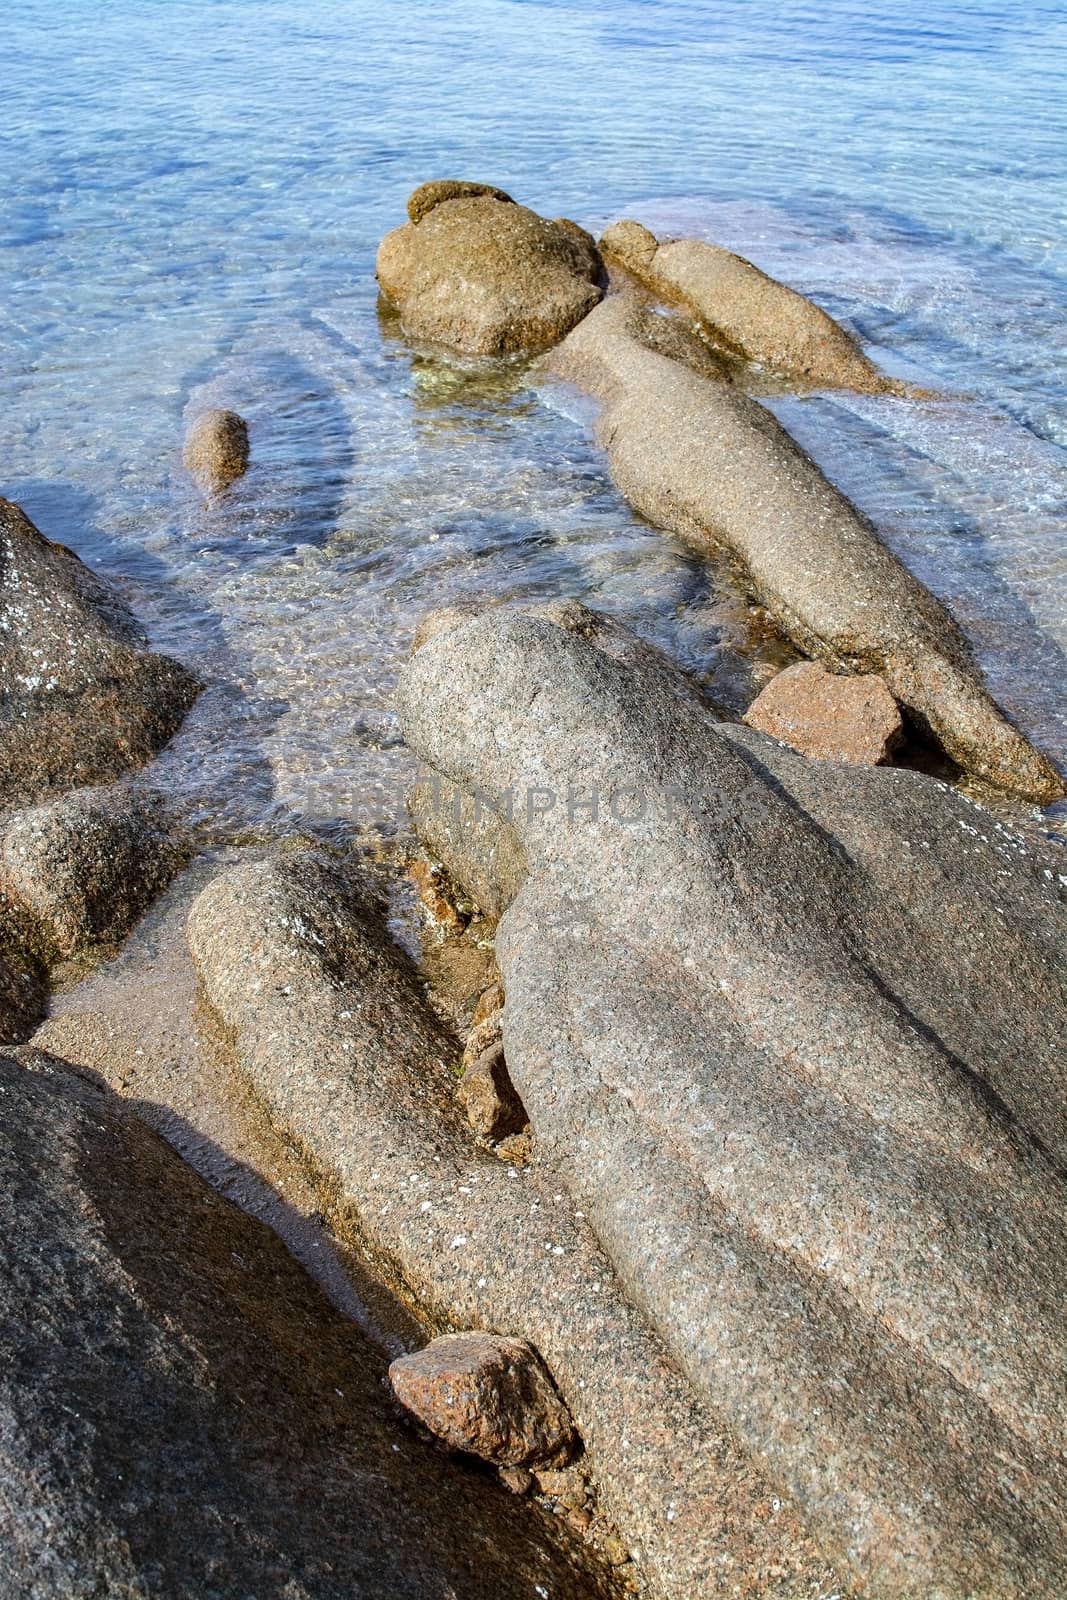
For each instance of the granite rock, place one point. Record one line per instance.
(216, 450)
(333, 1033)
(485, 276)
(83, 868)
(829, 715)
(746, 312)
(422, 200)
(487, 1095)
(184, 1410)
(793, 1035)
(708, 462)
(486, 1394)
(84, 699)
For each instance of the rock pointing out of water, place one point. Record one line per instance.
(748, 313)
(216, 450)
(793, 1034)
(422, 200)
(707, 461)
(184, 1411)
(83, 697)
(485, 276)
(829, 715)
(488, 1395)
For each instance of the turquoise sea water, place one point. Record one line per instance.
(191, 192)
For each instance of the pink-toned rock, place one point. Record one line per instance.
(828, 715)
(488, 1096)
(489, 1395)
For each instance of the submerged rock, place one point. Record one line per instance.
(186, 1413)
(707, 461)
(84, 868)
(83, 699)
(488, 1395)
(216, 451)
(488, 277)
(422, 200)
(829, 715)
(750, 314)
(333, 1033)
(793, 1034)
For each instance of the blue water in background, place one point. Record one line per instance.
(192, 193)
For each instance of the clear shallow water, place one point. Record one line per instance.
(192, 194)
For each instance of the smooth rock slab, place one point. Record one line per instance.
(489, 1395)
(83, 699)
(751, 314)
(182, 1411)
(829, 715)
(488, 277)
(706, 461)
(793, 1033)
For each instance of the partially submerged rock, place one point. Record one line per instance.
(489, 1395)
(488, 277)
(422, 200)
(216, 450)
(793, 1034)
(332, 1030)
(707, 461)
(479, 848)
(187, 1414)
(829, 715)
(83, 868)
(23, 991)
(750, 314)
(83, 698)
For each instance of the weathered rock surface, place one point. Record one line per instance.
(489, 1395)
(748, 313)
(84, 868)
(216, 450)
(707, 461)
(332, 1030)
(477, 846)
(422, 200)
(487, 1095)
(23, 992)
(794, 1035)
(82, 698)
(183, 1410)
(488, 277)
(829, 715)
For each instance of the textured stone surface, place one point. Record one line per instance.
(83, 697)
(216, 450)
(332, 1031)
(749, 313)
(488, 1096)
(183, 1410)
(489, 277)
(478, 846)
(707, 461)
(486, 1394)
(422, 200)
(829, 715)
(793, 1033)
(84, 867)
(23, 991)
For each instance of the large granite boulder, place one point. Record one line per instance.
(182, 1411)
(707, 461)
(793, 1034)
(485, 276)
(746, 312)
(333, 1033)
(82, 698)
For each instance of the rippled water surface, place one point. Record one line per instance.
(192, 192)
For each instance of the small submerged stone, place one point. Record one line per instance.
(216, 451)
(489, 1395)
(829, 715)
